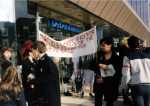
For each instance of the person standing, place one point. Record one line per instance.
(6, 59)
(109, 78)
(123, 51)
(88, 81)
(29, 69)
(136, 72)
(47, 76)
(11, 91)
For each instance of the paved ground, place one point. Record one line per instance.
(77, 101)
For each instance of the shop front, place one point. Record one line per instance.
(61, 20)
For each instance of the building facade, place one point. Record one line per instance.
(111, 18)
(141, 7)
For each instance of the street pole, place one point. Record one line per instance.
(37, 24)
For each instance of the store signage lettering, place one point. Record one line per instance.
(64, 26)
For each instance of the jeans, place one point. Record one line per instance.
(141, 95)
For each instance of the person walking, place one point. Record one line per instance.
(11, 91)
(47, 76)
(123, 51)
(109, 78)
(136, 72)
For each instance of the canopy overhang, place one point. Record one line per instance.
(119, 13)
(116, 12)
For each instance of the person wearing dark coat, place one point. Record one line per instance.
(108, 75)
(47, 76)
(29, 79)
(29, 70)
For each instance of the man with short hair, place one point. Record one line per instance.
(48, 78)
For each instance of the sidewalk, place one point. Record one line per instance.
(76, 101)
(87, 101)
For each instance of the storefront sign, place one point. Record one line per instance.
(79, 45)
(63, 26)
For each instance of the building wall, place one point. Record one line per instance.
(142, 9)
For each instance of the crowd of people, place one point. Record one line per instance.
(129, 70)
(38, 82)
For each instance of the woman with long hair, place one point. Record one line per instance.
(11, 91)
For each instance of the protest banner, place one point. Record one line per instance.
(81, 44)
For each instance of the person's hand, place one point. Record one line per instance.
(31, 59)
(32, 86)
(31, 77)
(103, 66)
(99, 80)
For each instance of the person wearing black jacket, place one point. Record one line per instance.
(108, 75)
(48, 77)
(29, 79)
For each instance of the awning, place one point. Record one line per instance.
(119, 13)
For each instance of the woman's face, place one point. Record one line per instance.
(35, 54)
(7, 54)
(106, 47)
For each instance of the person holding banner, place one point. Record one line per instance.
(110, 74)
(48, 77)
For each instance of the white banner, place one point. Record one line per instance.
(7, 11)
(79, 45)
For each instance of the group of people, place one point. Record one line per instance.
(129, 70)
(38, 83)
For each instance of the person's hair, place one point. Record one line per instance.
(124, 41)
(4, 49)
(107, 40)
(26, 48)
(40, 46)
(11, 84)
(133, 42)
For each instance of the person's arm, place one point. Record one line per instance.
(106, 67)
(103, 66)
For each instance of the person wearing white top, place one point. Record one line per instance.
(136, 72)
